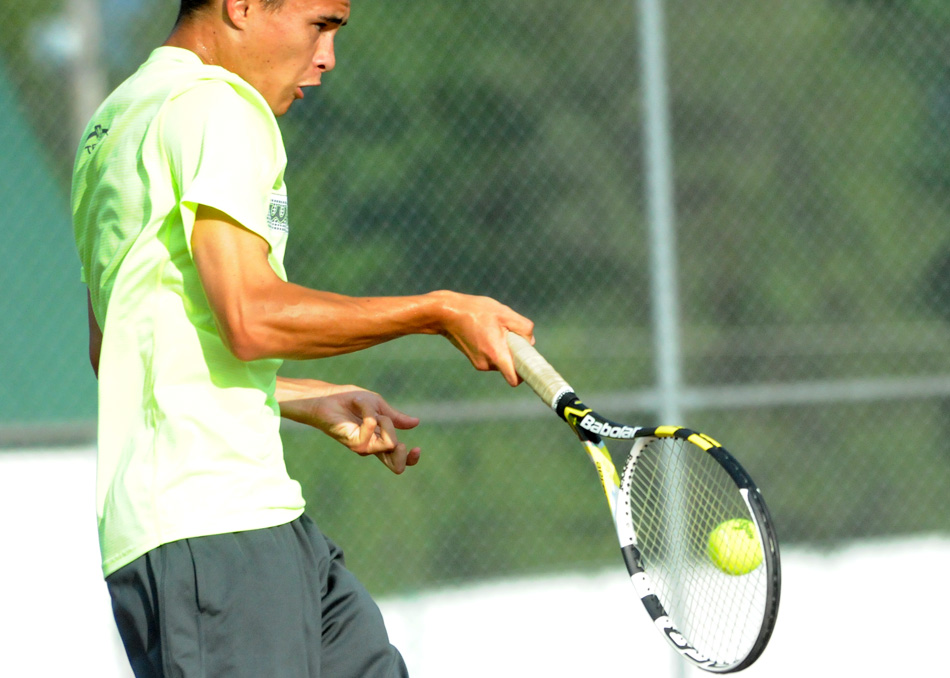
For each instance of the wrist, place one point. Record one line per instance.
(443, 311)
(289, 389)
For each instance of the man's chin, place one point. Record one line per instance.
(282, 108)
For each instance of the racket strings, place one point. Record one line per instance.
(678, 495)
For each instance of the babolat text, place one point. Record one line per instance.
(606, 429)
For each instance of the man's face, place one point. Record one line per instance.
(290, 48)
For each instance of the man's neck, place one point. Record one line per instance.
(198, 36)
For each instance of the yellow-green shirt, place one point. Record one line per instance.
(189, 440)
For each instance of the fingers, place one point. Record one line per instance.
(380, 421)
(400, 458)
(523, 326)
(395, 454)
(400, 420)
(498, 320)
(378, 436)
(507, 364)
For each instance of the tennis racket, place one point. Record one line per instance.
(677, 490)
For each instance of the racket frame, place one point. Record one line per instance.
(757, 508)
(591, 428)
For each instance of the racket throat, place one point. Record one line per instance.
(606, 471)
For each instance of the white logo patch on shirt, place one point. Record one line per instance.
(277, 214)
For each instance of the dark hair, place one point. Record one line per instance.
(190, 7)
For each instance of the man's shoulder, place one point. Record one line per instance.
(221, 97)
(171, 73)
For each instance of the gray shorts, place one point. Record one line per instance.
(277, 602)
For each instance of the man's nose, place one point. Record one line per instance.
(325, 58)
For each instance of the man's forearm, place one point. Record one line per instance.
(294, 322)
(260, 315)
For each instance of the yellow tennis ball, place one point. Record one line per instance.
(734, 547)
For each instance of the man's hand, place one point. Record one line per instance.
(479, 326)
(358, 419)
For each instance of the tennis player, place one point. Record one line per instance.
(181, 221)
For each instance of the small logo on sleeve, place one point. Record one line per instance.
(94, 137)
(277, 214)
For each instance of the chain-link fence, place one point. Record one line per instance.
(500, 148)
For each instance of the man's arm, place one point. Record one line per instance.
(95, 336)
(261, 316)
(359, 419)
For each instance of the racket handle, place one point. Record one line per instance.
(536, 371)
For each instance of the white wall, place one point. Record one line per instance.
(865, 609)
(55, 618)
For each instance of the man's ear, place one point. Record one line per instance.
(235, 12)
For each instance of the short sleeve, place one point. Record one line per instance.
(223, 151)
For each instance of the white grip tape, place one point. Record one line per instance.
(536, 371)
